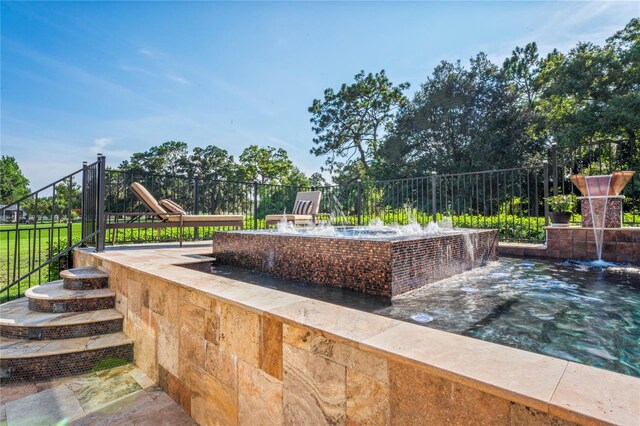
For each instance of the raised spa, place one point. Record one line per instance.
(382, 262)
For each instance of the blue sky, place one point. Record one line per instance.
(119, 77)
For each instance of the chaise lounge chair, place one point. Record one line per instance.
(305, 210)
(169, 214)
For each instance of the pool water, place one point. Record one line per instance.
(567, 310)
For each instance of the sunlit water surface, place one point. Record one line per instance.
(569, 310)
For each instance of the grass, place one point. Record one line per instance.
(32, 247)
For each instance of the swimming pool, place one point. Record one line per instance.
(567, 310)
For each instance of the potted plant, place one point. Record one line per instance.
(561, 208)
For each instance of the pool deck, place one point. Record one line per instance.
(122, 395)
(410, 355)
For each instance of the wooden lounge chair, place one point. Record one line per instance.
(168, 214)
(305, 210)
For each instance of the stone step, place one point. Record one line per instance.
(86, 278)
(18, 321)
(53, 297)
(36, 360)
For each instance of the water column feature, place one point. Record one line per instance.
(598, 207)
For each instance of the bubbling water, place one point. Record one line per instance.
(375, 229)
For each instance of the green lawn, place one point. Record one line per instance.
(32, 247)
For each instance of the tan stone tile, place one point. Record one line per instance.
(188, 295)
(9, 392)
(160, 397)
(173, 416)
(124, 411)
(516, 375)
(122, 305)
(212, 403)
(259, 397)
(240, 333)
(115, 372)
(367, 400)
(297, 336)
(418, 397)
(145, 352)
(135, 301)
(158, 296)
(168, 349)
(336, 320)
(192, 316)
(520, 415)
(256, 298)
(176, 388)
(271, 346)
(107, 389)
(192, 347)
(212, 323)
(221, 364)
(44, 408)
(352, 357)
(142, 379)
(314, 390)
(589, 395)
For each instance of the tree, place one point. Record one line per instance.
(264, 164)
(210, 163)
(351, 122)
(593, 92)
(521, 70)
(317, 180)
(460, 120)
(168, 158)
(13, 184)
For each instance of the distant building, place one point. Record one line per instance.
(11, 214)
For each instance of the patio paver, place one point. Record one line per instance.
(122, 395)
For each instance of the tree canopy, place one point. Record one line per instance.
(13, 184)
(350, 123)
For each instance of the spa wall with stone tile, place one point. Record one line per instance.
(379, 267)
(235, 354)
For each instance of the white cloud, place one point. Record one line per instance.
(99, 145)
(178, 79)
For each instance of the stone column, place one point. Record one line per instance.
(613, 217)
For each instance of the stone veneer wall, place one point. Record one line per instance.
(378, 267)
(613, 218)
(231, 353)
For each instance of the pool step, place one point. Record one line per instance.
(34, 360)
(87, 278)
(18, 321)
(54, 297)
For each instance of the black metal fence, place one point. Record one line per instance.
(45, 227)
(71, 210)
(511, 200)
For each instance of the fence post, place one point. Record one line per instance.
(102, 222)
(359, 202)
(83, 202)
(255, 205)
(433, 197)
(196, 196)
(545, 168)
(554, 167)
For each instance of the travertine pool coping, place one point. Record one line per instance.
(561, 388)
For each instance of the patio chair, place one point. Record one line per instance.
(305, 210)
(168, 214)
